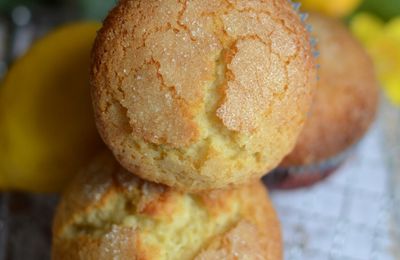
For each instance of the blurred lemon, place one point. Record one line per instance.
(47, 130)
(383, 44)
(337, 8)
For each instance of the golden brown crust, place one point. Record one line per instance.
(186, 89)
(259, 238)
(94, 219)
(244, 241)
(346, 99)
(119, 243)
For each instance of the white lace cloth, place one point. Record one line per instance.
(351, 215)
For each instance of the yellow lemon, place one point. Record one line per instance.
(47, 129)
(367, 28)
(383, 44)
(337, 8)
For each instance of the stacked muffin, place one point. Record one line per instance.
(343, 108)
(108, 213)
(199, 99)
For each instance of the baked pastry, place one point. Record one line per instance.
(47, 128)
(108, 213)
(344, 106)
(201, 94)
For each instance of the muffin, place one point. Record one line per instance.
(108, 213)
(202, 94)
(343, 109)
(47, 128)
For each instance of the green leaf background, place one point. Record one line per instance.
(385, 9)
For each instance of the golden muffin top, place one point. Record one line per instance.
(201, 94)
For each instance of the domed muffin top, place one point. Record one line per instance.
(215, 84)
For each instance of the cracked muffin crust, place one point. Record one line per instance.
(201, 94)
(108, 213)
